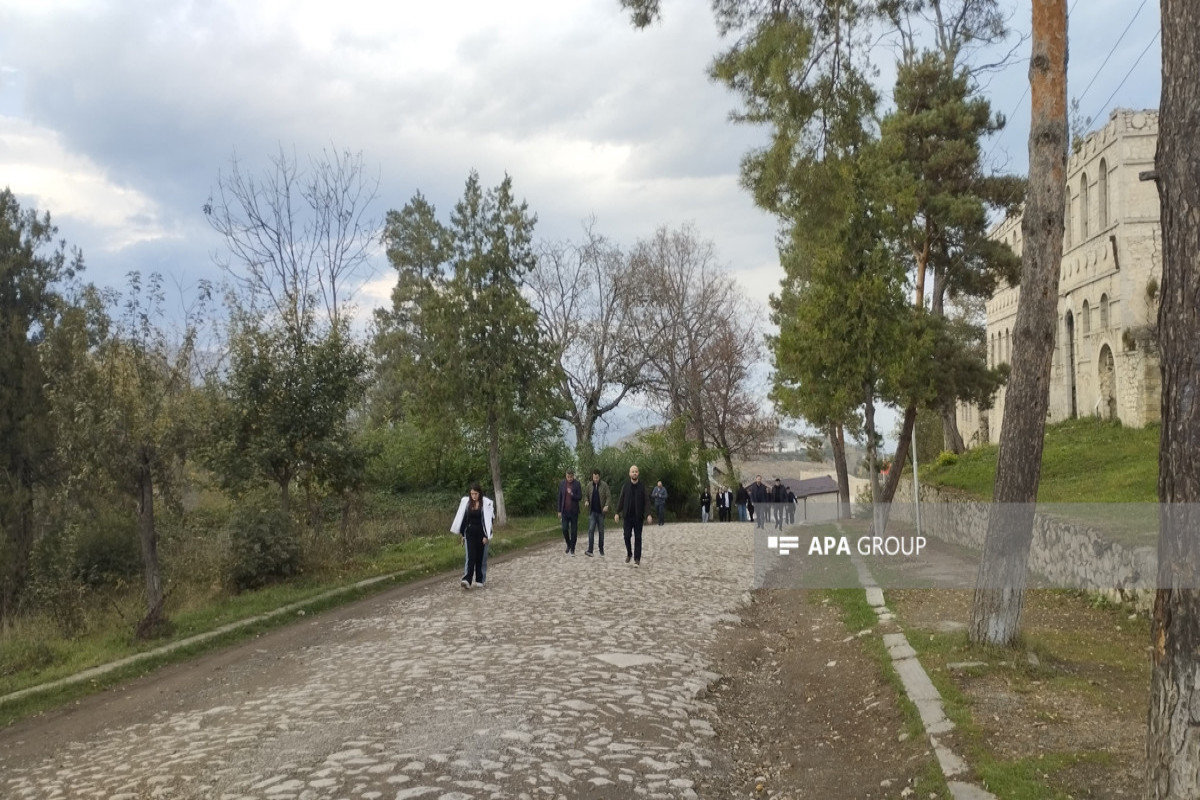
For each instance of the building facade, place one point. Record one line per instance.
(1105, 359)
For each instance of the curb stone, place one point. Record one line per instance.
(921, 692)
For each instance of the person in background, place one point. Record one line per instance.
(659, 495)
(596, 499)
(473, 522)
(778, 498)
(705, 505)
(728, 498)
(570, 494)
(790, 499)
(722, 505)
(631, 507)
(742, 499)
(760, 498)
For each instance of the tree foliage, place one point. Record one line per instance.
(461, 340)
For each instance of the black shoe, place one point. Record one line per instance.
(601, 552)
(567, 551)
(628, 559)
(587, 553)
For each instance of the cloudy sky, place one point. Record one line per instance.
(117, 116)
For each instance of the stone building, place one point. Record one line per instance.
(1105, 362)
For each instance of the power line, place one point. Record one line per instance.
(1113, 50)
(1127, 74)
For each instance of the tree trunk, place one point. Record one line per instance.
(150, 624)
(878, 513)
(892, 483)
(285, 494)
(952, 439)
(494, 465)
(1000, 583)
(1173, 740)
(837, 441)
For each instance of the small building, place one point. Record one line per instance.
(817, 499)
(1105, 360)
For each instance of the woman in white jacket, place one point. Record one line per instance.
(473, 522)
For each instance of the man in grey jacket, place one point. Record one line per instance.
(658, 495)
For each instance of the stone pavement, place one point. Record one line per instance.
(565, 677)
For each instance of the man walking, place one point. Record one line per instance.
(659, 495)
(778, 497)
(570, 493)
(705, 504)
(722, 505)
(727, 498)
(791, 506)
(631, 508)
(760, 497)
(743, 497)
(596, 499)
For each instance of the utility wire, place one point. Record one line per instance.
(1127, 74)
(1110, 52)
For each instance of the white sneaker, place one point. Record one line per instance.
(466, 584)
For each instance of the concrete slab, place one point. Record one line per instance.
(874, 596)
(916, 682)
(966, 791)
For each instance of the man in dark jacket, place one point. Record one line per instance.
(778, 498)
(631, 508)
(705, 504)
(570, 493)
(743, 497)
(760, 496)
(596, 499)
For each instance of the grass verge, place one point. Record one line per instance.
(34, 654)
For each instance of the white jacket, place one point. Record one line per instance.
(489, 511)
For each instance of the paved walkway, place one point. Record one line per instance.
(565, 677)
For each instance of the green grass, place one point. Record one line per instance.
(34, 651)
(1083, 461)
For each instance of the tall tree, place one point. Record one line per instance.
(473, 352)
(1173, 741)
(34, 271)
(1000, 584)
(583, 295)
(123, 415)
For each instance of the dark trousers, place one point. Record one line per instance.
(723, 514)
(634, 527)
(570, 530)
(474, 560)
(658, 511)
(596, 524)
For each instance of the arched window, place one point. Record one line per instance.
(1104, 312)
(1102, 193)
(992, 351)
(1067, 221)
(1083, 208)
(1085, 319)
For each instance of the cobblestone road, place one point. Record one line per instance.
(566, 677)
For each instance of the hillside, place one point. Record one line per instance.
(1084, 461)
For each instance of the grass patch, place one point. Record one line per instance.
(1083, 461)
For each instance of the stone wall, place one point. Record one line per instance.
(1066, 554)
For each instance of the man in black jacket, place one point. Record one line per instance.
(743, 497)
(631, 509)
(570, 493)
(760, 496)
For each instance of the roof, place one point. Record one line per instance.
(810, 487)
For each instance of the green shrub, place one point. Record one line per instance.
(263, 545)
(946, 459)
(108, 550)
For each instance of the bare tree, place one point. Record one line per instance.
(582, 295)
(736, 423)
(296, 237)
(681, 294)
(1173, 741)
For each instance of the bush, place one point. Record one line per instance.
(108, 550)
(946, 459)
(263, 545)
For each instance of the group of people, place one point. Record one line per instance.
(632, 510)
(475, 516)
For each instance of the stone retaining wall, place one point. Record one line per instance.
(1067, 554)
